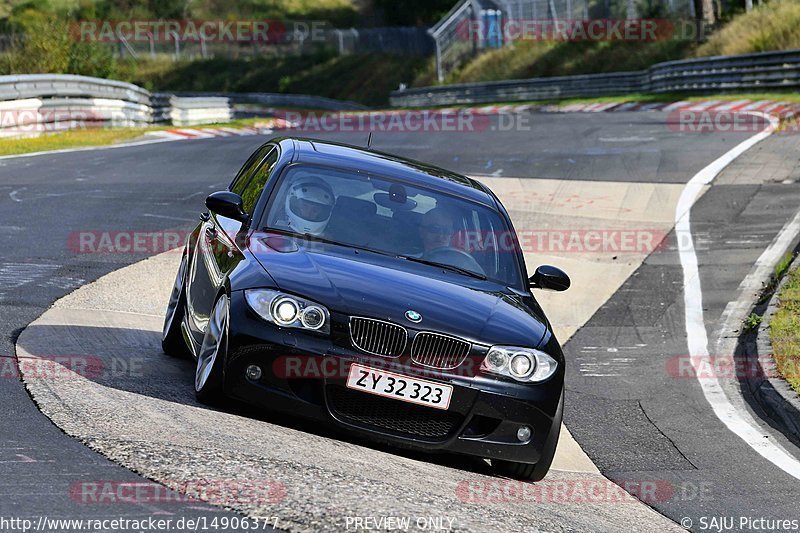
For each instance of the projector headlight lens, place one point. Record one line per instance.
(313, 317)
(285, 311)
(288, 311)
(521, 364)
(497, 360)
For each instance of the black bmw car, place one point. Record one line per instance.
(382, 295)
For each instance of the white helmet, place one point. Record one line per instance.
(309, 205)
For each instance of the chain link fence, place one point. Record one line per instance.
(475, 25)
(404, 41)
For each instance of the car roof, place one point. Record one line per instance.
(315, 151)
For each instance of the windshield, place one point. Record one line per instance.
(381, 214)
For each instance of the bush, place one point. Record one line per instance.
(771, 26)
(46, 46)
(91, 59)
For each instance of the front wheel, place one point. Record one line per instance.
(172, 341)
(538, 471)
(211, 357)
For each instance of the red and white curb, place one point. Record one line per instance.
(205, 133)
(780, 109)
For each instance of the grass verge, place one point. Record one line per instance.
(784, 330)
(92, 137)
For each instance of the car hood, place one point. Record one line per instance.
(360, 283)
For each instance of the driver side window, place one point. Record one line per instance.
(255, 186)
(243, 177)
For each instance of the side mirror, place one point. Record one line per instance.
(549, 278)
(227, 204)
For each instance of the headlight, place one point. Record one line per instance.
(521, 364)
(288, 311)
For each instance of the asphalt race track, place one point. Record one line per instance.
(635, 420)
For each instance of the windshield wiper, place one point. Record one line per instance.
(445, 266)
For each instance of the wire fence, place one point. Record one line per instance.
(404, 41)
(475, 25)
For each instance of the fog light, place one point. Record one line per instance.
(253, 373)
(524, 434)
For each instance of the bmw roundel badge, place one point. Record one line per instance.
(413, 316)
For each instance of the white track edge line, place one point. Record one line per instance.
(696, 335)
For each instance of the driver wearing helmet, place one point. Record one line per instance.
(308, 205)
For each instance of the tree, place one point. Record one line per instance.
(413, 12)
(705, 11)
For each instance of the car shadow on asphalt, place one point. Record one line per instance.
(132, 360)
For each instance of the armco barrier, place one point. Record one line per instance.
(304, 101)
(748, 72)
(199, 110)
(31, 104)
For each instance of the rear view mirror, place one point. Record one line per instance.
(227, 204)
(549, 278)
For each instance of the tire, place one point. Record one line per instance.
(172, 341)
(209, 374)
(538, 471)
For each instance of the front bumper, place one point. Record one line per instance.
(305, 375)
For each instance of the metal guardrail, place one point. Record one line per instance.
(747, 72)
(303, 101)
(69, 86)
(189, 111)
(38, 103)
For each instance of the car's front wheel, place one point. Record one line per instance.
(172, 337)
(211, 357)
(535, 472)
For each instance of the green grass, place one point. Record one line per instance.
(530, 59)
(770, 26)
(783, 265)
(362, 78)
(69, 139)
(785, 330)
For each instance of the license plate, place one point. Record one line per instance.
(399, 387)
